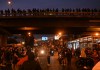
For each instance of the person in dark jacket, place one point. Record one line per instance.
(31, 63)
(69, 56)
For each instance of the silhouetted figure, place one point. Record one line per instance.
(29, 12)
(48, 58)
(31, 63)
(1, 12)
(24, 12)
(13, 12)
(69, 56)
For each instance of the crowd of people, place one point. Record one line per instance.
(9, 56)
(84, 56)
(12, 58)
(22, 58)
(63, 11)
(64, 56)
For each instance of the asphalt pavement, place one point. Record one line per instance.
(54, 63)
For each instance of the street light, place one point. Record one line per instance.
(29, 33)
(56, 37)
(60, 33)
(97, 34)
(95, 38)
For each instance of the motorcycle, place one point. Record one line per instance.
(51, 52)
(84, 63)
(60, 58)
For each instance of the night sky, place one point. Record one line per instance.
(42, 4)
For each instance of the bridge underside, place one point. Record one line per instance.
(49, 25)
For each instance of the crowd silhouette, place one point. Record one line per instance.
(43, 12)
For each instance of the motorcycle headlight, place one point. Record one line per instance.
(42, 52)
(85, 67)
(52, 51)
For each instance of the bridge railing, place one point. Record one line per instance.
(49, 13)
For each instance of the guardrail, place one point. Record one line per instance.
(59, 13)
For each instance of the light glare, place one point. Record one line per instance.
(9, 2)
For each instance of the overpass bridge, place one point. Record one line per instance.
(49, 22)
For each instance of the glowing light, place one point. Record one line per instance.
(9, 2)
(97, 34)
(23, 43)
(60, 33)
(29, 33)
(42, 51)
(28, 28)
(56, 37)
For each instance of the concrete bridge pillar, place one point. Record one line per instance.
(3, 40)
